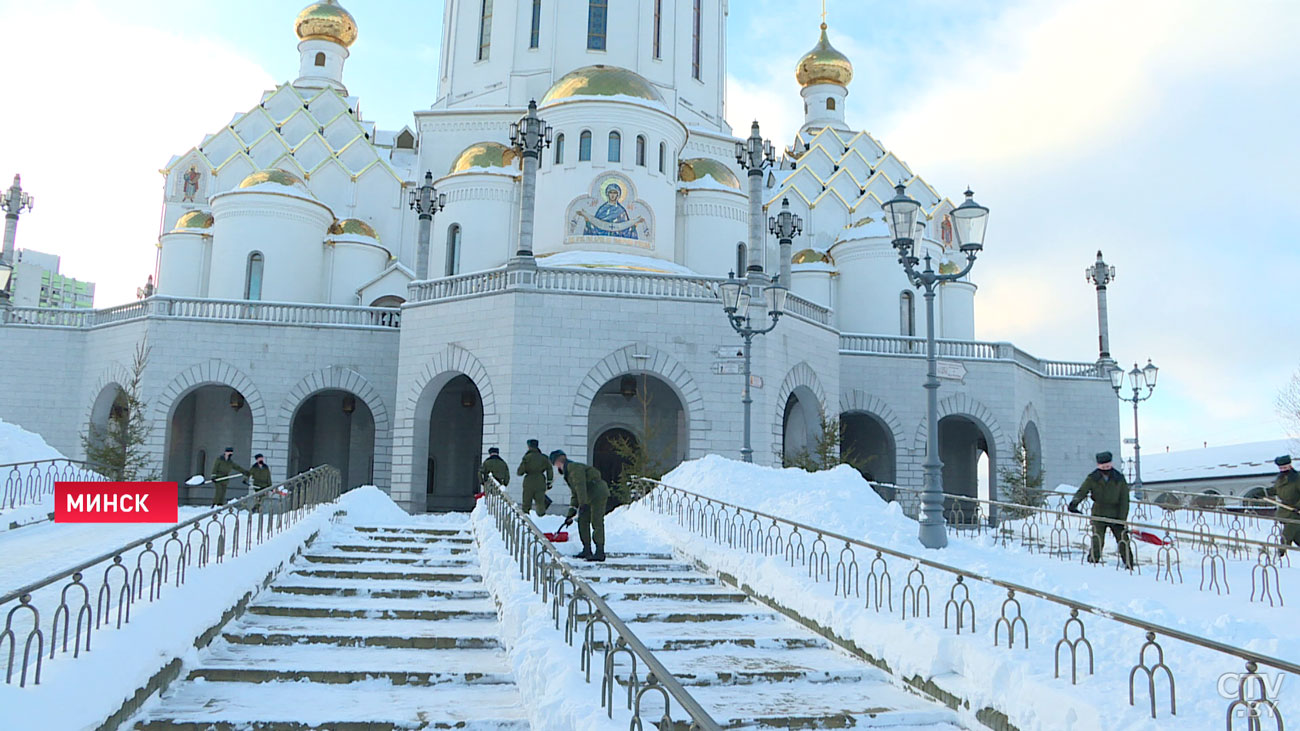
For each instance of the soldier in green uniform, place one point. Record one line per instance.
(224, 467)
(260, 474)
(536, 470)
(494, 466)
(1286, 490)
(589, 494)
(1109, 491)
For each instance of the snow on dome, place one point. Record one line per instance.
(353, 227)
(697, 168)
(606, 260)
(812, 256)
(326, 21)
(484, 155)
(602, 80)
(193, 220)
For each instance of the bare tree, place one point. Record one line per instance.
(1288, 405)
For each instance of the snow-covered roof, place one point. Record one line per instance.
(606, 260)
(1234, 460)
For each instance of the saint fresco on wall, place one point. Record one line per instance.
(189, 181)
(610, 214)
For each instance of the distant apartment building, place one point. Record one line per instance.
(37, 283)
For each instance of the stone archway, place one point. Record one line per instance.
(971, 443)
(366, 417)
(337, 428)
(636, 360)
(605, 455)
(647, 409)
(453, 445)
(800, 404)
(873, 432)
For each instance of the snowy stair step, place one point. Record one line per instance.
(805, 705)
(370, 613)
(406, 530)
(389, 548)
(741, 666)
(396, 573)
(470, 662)
(432, 560)
(676, 595)
(363, 706)
(424, 642)
(379, 593)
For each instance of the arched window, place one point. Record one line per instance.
(615, 147)
(830, 105)
(640, 150)
(484, 29)
(658, 29)
(663, 156)
(453, 250)
(559, 149)
(253, 277)
(584, 146)
(535, 35)
(907, 314)
(696, 27)
(597, 19)
(742, 260)
(320, 59)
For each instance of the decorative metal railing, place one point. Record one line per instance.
(27, 483)
(187, 308)
(866, 344)
(1055, 532)
(81, 601)
(585, 610)
(808, 547)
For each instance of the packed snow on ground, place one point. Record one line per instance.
(19, 445)
(547, 670)
(82, 693)
(840, 501)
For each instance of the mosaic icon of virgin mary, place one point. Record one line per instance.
(611, 218)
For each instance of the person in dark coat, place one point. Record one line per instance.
(1109, 492)
(537, 472)
(223, 471)
(260, 474)
(496, 467)
(1286, 490)
(588, 493)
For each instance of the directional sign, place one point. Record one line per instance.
(951, 370)
(755, 381)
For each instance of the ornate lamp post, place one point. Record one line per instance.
(755, 155)
(529, 136)
(737, 298)
(1138, 378)
(785, 226)
(970, 220)
(426, 201)
(15, 202)
(1102, 274)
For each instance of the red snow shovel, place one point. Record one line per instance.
(561, 535)
(1146, 537)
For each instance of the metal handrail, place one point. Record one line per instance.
(26, 482)
(531, 549)
(820, 558)
(210, 537)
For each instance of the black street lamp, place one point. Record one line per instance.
(737, 300)
(1139, 378)
(529, 136)
(425, 201)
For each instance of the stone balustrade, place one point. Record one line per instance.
(862, 344)
(276, 313)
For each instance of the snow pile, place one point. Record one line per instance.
(546, 669)
(19, 445)
(970, 665)
(82, 693)
(607, 260)
(368, 505)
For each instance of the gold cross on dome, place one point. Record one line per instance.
(823, 12)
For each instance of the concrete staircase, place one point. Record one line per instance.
(748, 665)
(372, 629)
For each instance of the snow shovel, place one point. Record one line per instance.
(1147, 537)
(197, 480)
(561, 535)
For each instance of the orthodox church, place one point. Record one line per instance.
(394, 301)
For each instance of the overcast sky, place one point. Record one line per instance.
(1160, 131)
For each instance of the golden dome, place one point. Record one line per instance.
(693, 169)
(601, 80)
(274, 175)
(824, 65)
(812, 256)
(326, 21)
(484, 155)
(949, 267)
(353, 227)
(193, 220)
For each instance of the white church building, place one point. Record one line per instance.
(291, 316)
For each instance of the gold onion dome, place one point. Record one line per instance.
(353, 227)
(602, 80)
(692, 169)
(484, 155)
(274, 175)
(812, 256)
(193, 220)
(824, 65)
(326, 21)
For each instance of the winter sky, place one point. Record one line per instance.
(1161, 131)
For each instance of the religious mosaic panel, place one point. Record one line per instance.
(610, 214)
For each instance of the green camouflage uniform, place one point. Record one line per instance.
(496, 467)
(261, 477)
(224, 468)
(537, 472)
(1109, 491)
(588, 491)
(1286, 490)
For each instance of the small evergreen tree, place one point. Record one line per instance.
(637, 457)
(828, 451)
(1021, 484)
(118, 450)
